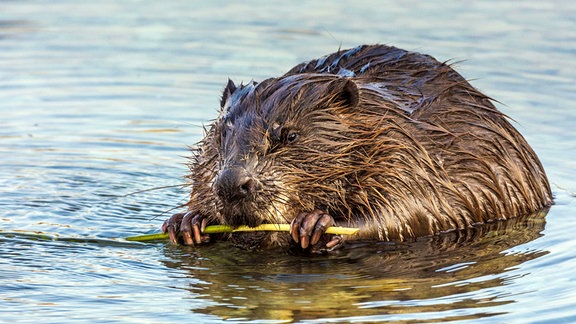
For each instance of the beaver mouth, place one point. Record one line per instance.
(243, 219)
(255, 212)
(237, 214)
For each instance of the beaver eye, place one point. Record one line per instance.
(280, 137)
(291, 137)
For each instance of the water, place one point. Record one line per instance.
(100, 99)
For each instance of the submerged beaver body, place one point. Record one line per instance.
(390, 141)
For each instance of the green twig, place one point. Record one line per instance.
(213, 229)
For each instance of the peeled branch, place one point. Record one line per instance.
(213, 229)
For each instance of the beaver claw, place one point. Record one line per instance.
(186, 226)
(308, 229)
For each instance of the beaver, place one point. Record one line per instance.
(390, 141)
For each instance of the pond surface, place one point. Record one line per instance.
(99, 100)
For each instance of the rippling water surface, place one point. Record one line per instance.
(99, 100)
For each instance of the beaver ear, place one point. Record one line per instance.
(345, 93)
(228, 90)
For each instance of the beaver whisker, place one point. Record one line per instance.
(276, 215)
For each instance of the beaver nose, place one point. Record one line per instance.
(235, 184)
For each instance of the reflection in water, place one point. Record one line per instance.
(364, 281)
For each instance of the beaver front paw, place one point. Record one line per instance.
(186, 228)
(308, 229)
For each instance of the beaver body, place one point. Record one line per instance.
(376, 137)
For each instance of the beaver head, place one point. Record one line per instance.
(276, 145)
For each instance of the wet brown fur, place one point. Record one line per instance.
(389, 140)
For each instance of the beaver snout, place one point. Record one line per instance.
(235, 184)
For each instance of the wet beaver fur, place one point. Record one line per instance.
(376, 137)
